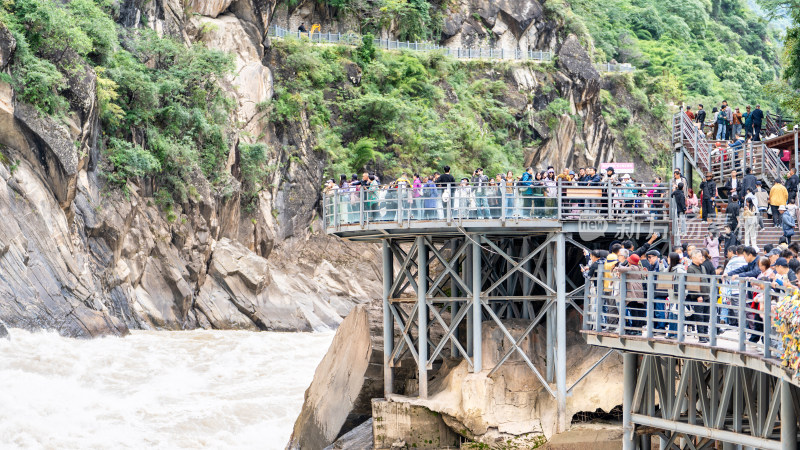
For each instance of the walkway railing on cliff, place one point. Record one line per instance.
(454, 52)
(679, 308)
(595, 206)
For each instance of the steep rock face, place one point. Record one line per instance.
(337, 382)
(514, 25)
(513, 402)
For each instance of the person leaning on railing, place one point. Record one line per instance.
(635, 291)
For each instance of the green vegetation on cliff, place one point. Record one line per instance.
(692, 50)
(406, 112)
(163, 112)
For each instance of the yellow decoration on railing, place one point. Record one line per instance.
(787, 324)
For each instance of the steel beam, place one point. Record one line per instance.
(628, 387)
(701, 431)
(788, 418)
(561, 341)
(549, 331)
(422, 315)
(477, 309)
(388, 322)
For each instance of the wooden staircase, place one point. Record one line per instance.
(698, 229)
(713, 156)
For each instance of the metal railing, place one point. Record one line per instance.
(719, 312)
(614, 67)
(720, 161)
(388, 44)
(455, 204)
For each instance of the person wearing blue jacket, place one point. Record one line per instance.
(526, 190)
(749, 270)
(787, 223)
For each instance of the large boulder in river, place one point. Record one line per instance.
(337, 384)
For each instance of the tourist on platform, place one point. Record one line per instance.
(714, 124)
(727, 238)
(748, 123)
(635, 293)
(732, 213)
(711, 243)
(432, 200)
(493, 196)
(551, 190)
(699, 296)
(788, 222)
(464, 200)
(700, 117)
(680, 207)
(708, 192)
(750, 215)
(526, 192)
(416, 194)
(722, 124)
(479, 183)
(734, 187)
(512, 203)
(689, 113)
(792, 182)
(786, 158)
(538, 194)
(736, 124)
(778, 196)
(678, 178)
(675, 268)
(757, 117)
(749, 181)
(692, 203)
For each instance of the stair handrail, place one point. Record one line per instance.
(772, 164)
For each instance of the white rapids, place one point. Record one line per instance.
(155, 389)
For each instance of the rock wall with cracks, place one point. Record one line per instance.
(86, 260)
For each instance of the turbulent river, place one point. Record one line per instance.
(215, 389)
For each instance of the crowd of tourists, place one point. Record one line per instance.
(726, 122)
(532, 194)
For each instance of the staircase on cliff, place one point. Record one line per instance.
(713, 156)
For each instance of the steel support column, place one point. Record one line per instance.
(422, 315)
(549, 330)
(561, 319)
(628, 387)
(788, 418)
(454, 306)
(477, 309)
(388, 322)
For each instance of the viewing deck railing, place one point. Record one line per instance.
(679, 308)
(458, 205)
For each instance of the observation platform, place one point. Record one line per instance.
(591, 212)
(732, 386)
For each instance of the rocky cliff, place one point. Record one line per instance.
(85, 257)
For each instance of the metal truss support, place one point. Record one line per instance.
(422, 311)
(477, 310)
(628, 386)
(444, 292)
(702, 403)
(388, 323)
(788, 418)
(561, 321)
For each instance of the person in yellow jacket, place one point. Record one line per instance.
(778, 196)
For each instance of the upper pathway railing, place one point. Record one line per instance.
(453, 52)
(720, 313)
(357, 208)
